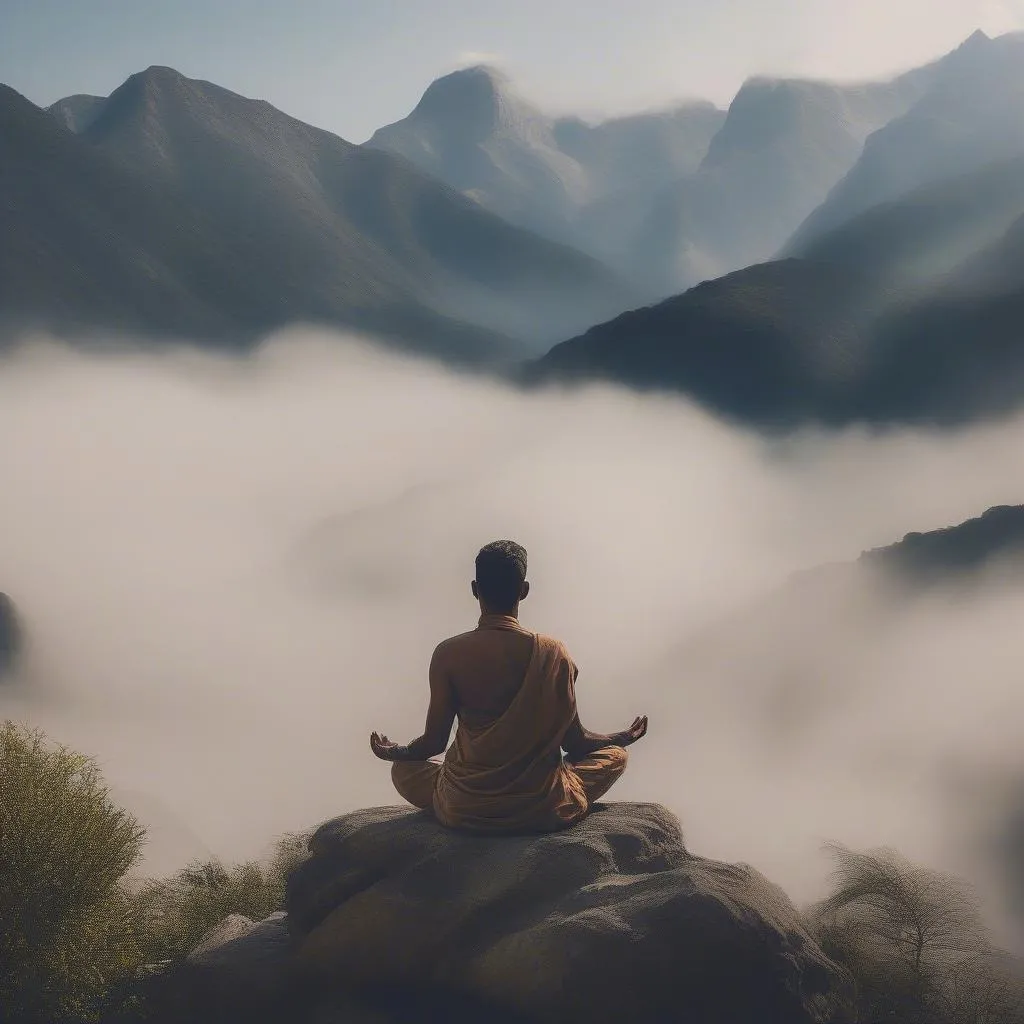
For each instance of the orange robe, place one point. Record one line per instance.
(509, 776)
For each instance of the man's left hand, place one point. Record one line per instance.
(383, 747)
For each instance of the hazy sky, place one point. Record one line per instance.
(353, 65)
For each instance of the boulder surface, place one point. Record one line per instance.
(239, 971)
(608, 921)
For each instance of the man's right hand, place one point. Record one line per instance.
(636, 731)
(382, 747)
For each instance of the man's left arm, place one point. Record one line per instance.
(438, 728)
(579, 742)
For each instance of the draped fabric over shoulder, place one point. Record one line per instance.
(509, 776)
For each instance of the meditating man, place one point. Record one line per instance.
(513, 693)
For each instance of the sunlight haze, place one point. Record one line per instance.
(351, 67)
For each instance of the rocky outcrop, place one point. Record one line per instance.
(240, 970)
(396, 919)
(954, 551)
(611, 920)
(10, 634)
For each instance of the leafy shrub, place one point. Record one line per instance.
(915, 944)
(65, 920)
(173, 914)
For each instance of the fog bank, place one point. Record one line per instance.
(231, 572)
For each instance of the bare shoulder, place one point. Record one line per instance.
(450, 646)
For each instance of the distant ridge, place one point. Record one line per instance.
(952, 550)
(967, 117)
(799, 341)
(929, 233)
(76, 113)
(802, 643)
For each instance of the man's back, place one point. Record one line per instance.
(513, 693)
(486, 668)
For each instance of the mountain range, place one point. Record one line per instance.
(696, 191)
(904, 305)
(693, 192)
(177, 207)
(816, 251)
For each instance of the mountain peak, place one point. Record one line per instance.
(159, 80)
(975, 46)
(152, 95)
(153, 81)
(481, 72)
(482, 78)
(157, 74)
(478, 99)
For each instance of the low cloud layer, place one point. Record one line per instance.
(231, 572)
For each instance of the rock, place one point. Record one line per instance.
(154, 969)
(244, 945)
(239, 971)
(10, 634)
(216, 942)
(611, 920)
(389, 1006)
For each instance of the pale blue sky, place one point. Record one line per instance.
(352, 65)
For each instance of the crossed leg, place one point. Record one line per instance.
(598, 771)
(414, 781)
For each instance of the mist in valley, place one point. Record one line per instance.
(231, 571)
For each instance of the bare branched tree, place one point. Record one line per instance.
(914, 940)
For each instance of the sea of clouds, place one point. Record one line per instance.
(232, 570)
